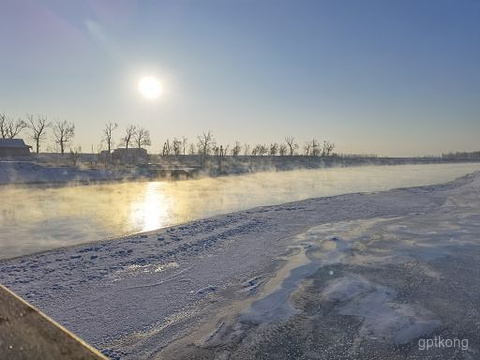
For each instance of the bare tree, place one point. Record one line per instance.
(246, 149)
(205, 143)
(166, 148)
(315, 150)
(75, 154)
(3, 121)
(63, 132)
(38, 128)
(176, 146)
(129, 135)
(14, 127)
(327, 148)
(261, 149)
(306, 148)
(292, 145)
(236, 149)
(192, 149)
(142, 138)
(10, 128)
(273, 149)
(221, 152)
(282, 149)
(184, 145)
(108, 134)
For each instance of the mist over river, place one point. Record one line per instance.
(34, 219)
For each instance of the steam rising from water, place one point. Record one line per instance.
(35, 219)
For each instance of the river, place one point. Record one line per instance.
(34, 219)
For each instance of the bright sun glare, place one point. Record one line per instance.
(150, 87)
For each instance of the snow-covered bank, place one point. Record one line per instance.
(413, 252)
(50, 169)
(32, 172)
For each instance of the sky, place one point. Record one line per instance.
(392, 78)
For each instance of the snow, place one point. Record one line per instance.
(32, 172)
(383, 318)
(204, 281)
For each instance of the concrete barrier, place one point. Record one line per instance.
(27, 333)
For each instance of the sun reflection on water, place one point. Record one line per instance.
(152, 211)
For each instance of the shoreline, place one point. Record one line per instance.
(40, 174)
(192, 222)
(38, 219)
(138, 296)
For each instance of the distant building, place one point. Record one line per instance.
(130, 155)
(13, 147)
(104, 156)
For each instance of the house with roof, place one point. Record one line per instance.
(13, 147)
(130, 155)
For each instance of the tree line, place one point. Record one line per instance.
(139, 137)
(207, 145)
(461, 155)
(63, 131)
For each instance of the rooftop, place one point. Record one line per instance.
(17, 143)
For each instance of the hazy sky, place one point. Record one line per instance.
(396, 77)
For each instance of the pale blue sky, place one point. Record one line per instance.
(386, 77)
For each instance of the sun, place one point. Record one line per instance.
(150, 87)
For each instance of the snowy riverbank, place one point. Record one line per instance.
(352, 276)
(34, 172)
(52, 169)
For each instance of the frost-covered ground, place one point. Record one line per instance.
(26, 172)
(358, 276)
